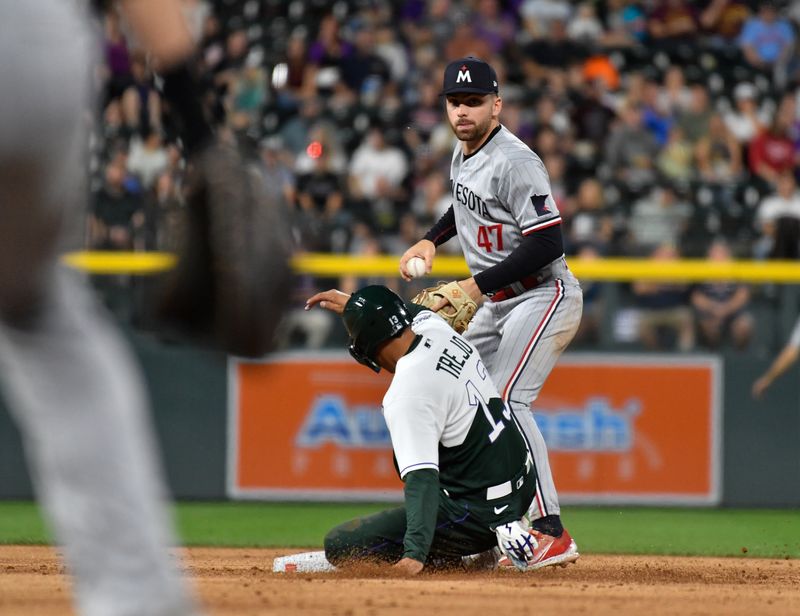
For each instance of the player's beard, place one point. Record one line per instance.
(472, 132)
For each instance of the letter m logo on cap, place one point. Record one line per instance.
(463, 74)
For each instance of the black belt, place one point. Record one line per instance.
(518, 288)
(507, 487)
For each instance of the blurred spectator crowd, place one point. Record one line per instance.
(669, 128)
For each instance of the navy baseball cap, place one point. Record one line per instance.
(469, 74)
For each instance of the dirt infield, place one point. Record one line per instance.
(240, 582)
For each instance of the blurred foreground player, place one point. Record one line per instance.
(468, 475)
(67, 375)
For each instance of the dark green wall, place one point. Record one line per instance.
(14, 480)
(189, 391)
(761, 439)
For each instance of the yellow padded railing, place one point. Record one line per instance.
(448, 267)
(136, 263)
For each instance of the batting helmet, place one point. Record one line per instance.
(372, 316)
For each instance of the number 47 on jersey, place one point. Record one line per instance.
(490, 237)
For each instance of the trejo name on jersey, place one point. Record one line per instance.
(452, 363)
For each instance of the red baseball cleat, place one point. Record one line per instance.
(550, 551)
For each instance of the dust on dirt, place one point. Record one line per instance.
(238, 582)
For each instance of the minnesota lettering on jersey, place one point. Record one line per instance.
(467, 198)
(453, 362)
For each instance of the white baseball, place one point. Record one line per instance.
(415, 267)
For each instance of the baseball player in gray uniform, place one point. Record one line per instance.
(509, 228)
(69, 379)
(468, 474)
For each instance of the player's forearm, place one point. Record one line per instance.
(533, 253)
(422, 504)
(781, 364)
(444, 229)
(161, 28)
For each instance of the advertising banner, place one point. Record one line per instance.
(310, 426)
(635, 429)
(620, 429)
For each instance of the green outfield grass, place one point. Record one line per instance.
(600, 530)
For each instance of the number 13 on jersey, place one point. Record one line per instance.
(490, 237)
(494, 410)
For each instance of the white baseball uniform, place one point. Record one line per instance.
(444, 413)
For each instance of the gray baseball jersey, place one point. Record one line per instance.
(71, 383)
(501, 193)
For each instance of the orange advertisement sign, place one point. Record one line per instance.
(310, 426)
(637, 429)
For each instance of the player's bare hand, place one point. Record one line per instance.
(408, 566)
(424, 249)
(332, 299)
(759, 387)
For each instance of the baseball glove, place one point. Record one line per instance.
(232, 279)
(458, 313)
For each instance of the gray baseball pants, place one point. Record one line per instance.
(520, 340)
(65, 372)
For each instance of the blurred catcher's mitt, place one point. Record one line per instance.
(458, 313)
(231, 283)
